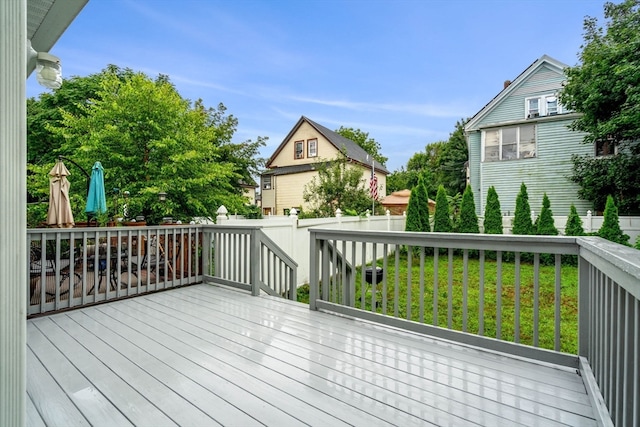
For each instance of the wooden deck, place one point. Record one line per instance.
(206, 355)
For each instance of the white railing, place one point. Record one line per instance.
(421, 282)
(246, 258)
(80, 266)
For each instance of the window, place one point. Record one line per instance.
(545, 105)
(606, 147)
(511, 143)
(312, 148)
(266, 182)
(299, 147)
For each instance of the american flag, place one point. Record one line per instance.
(373, 185)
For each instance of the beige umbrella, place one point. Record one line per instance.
(60, 214)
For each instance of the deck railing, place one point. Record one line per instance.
(246, 258)
(523, 295)
(80, 266)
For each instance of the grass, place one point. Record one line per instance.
(546, 322)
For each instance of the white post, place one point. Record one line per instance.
(13, 216)
(222, 215)
(589, 222)
(388, 213)
(339, 216)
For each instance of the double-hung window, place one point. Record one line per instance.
(544, 105)
(299, 149)
(266, 182)
(312, 148)
(509, 143)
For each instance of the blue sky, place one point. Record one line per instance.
(404, 71)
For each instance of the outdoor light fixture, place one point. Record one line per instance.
(48, 68)
(162, 196)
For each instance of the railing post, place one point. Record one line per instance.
(584, 304)
(255, 262)
(313, 270)
(206, 251)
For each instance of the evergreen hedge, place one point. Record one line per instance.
(468, 221)
(418, 208)
(441, 217)
(522, 217)
(546, 226)
(610, 229)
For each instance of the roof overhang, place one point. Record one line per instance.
(47, 20)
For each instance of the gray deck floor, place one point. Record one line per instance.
(206, 355)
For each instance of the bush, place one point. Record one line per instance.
(546, 227)
(610, 229)
(574, 223)
(492, 213)
(522, 218)
(441, 217)
(418, 209)
(468, 221)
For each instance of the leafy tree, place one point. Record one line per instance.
(150, 139)
(610, 229)
(605, 89)
(418, 209)
(468, 221)
(492, 213)
(361, 138)
(574, 223)
(545, 223)
(522, 217)
(441, 217)
(337, 185)
(451, 163)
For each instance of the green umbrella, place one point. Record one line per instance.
(96, 199)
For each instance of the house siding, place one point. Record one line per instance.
(304, 133)
(549, 171)
(290, 190)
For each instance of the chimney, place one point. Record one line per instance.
(506, 83)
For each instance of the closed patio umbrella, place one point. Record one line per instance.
(59, 214)
(96, 199)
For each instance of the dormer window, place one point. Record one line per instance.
(539, 106)
(312, 148)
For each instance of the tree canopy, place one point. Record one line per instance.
(337, 185)
(443, 160)
(361, 138)
(605, 89)
(149, 140)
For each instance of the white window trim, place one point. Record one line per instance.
(314, 152)
(500, 159)
(542, 106)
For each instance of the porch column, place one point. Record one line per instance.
(13, 222)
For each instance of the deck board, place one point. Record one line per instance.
(208, 355)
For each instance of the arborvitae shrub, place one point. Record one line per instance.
(522, 218)
(468, 221)
(574, 223)
(492, 213)
(610, 229)
(441, 217)
(418, 209)
(546, 226)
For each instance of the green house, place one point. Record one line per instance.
(522, 135)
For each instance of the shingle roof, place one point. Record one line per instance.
(353, 150)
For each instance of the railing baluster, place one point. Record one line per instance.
(385, 268)
(363, 283)
(436, 268)
(409, 281)
(536, 300)
(516, 297)
(374, 276)
(499, 294)
(465, 288)
(396, 284)
(558, 302)
(421, 270)
(481, 294)
(450, 289)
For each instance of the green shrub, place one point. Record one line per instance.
(468, 220)
(418, 209)
(492, 213)
(441, 217)
(546, 227)
(522, 218)
(574, 223)
(610, 229)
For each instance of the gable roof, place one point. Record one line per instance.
(535, 66)
(353, 150)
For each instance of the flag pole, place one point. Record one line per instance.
(373, 173)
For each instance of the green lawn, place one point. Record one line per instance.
(568, 311)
